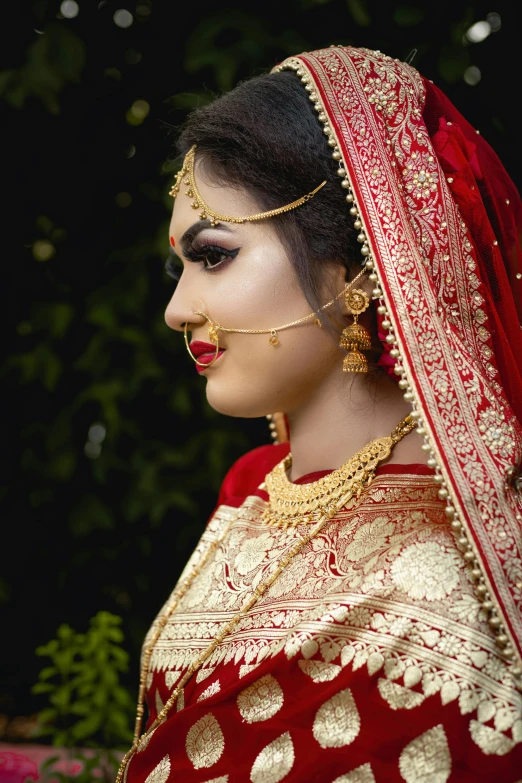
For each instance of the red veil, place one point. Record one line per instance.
(442, 221)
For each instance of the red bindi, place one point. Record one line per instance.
(173, 242)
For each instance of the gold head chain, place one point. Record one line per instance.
(361, 468)
(186, 175)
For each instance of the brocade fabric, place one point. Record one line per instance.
(368, 659)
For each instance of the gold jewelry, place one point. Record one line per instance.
(214, 340)
(214, 327)
(297, 504)
(187, 170)
(324, 515)
(355, 338)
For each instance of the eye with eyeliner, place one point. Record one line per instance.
(211, 256)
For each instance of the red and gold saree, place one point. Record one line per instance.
(389, 648)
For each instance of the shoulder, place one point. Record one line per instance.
(248, 472)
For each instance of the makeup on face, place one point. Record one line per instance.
(205, 353)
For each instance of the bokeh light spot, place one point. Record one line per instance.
(43, 250)
(92, 450)
(69, 9)
(112, 73)
(494, 21)
(123, 18)
(97, 432)
(132, 56)
(143, 10)
(137, 112)
(130, 151)
(123, 199)
(478, 32)
(472, 75)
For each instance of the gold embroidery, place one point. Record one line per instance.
(202, 674)
(362, 774)
(221, 779)
(146, 740)
(213, 688)
(180, 703)
(274, 761)
(427, 570)
(205, 742)
(427, 758)
(399, 698)
(337, 722)
(171, 678)
(491, 742)
(160, 773)
(422, 646)
(261, 700)
(318, 671)
(159, 702)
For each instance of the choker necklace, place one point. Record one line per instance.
(354, 476)
(296, 504)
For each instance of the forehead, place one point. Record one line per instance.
(222, 198)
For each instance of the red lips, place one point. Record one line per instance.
(205, 353)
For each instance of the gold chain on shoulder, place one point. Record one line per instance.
(368, 459)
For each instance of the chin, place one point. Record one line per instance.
(233, 401)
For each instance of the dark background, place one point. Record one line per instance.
(88, 114)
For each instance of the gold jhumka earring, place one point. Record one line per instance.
(355, 338)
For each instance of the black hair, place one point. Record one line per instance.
(264, 136)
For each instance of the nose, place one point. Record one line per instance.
(180, 309)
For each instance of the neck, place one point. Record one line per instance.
(342, 418)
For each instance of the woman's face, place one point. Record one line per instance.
(241, 277)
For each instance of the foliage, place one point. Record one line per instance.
(87, 706)
(112, 458)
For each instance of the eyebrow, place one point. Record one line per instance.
(191, 233)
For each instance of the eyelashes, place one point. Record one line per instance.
(211, 256)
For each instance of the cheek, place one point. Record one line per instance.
(256, 378)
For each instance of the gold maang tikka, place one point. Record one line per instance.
(186, 176)
(355, 338)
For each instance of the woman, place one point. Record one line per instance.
(341, 228)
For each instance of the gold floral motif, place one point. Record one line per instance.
(337, 722)
(399, 697)
(221, 779)
(491, 742)
(427, 570)
(362, 774)
(274, 761)
(171, 678)
(213, 688)
(427, 758)
(319, 671)
(205, 742)
(160, 773)
(261, 700)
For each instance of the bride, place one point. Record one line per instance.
(348, 262)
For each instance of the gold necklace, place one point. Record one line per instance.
(367, 459)
(296, 504)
